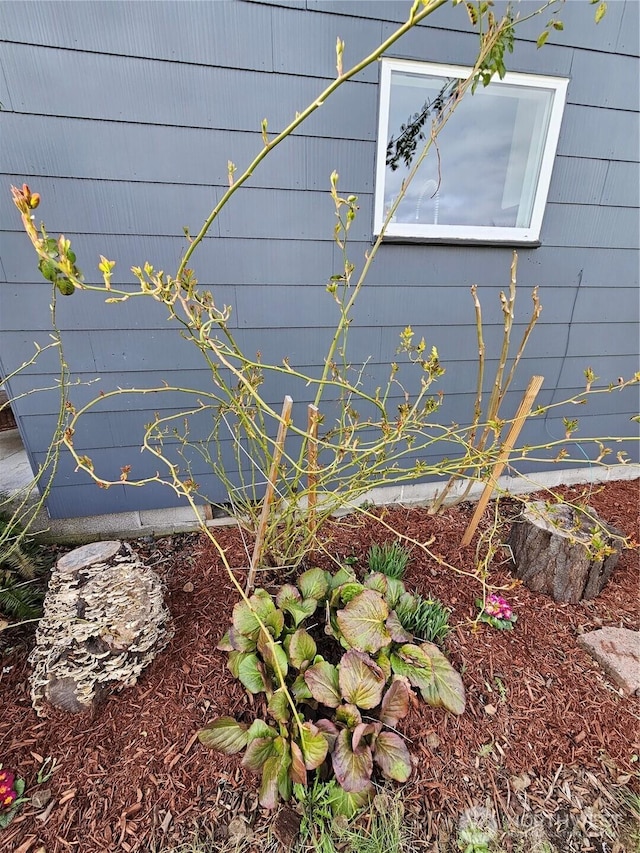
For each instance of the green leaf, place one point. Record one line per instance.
(224, 735)
(300, 689)
(446, 689)
(244, 615)
(314, 746)
(348, 715)
(251, 674)
(395, 589)
(362, 622)
(414, 663)
(347, 591)
(378, 582)
(392, 756)
(259, 728)
(225, 644)
(273, 653)
(313, 584)
(234, 661)
(278, 706)
(361, 680)
(302, 649)
(258, 752)
(301, 610)
(341, 577)
(352, 768)
(285, 785)
(287, 594)
(322, 681)
(348, 804)
(542, 38)
(395, 704)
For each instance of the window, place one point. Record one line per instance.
(491, 178)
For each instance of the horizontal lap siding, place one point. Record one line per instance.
(126, 132)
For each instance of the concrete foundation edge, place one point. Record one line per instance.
(132, 525)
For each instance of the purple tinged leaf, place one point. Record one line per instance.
(362, 730)
(225, 644)
(287, 594)
(224, 735)
(394, 627)
(258, 751)
(239, 642)
(395, 704)
(392, 756)
(268, 794)
(362, 622)
(378, 582)
(361, 680)
(297, 771)
(352, 768)
(329, 730)
(322, 681)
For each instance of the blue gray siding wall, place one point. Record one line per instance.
(124, 115)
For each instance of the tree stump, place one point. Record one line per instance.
(555, 550)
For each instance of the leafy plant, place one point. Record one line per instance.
(19, 564)
(426, 618)
(497, 612)
(385, 830)
(390, 558)
(11, 799)
(334, 696)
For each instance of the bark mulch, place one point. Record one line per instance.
(544, 731)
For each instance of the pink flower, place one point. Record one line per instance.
(7, 792)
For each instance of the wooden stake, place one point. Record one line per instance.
(535, 383)
(268, 495)
(313, 415)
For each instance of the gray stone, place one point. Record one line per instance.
(104, 621)
(617, 650)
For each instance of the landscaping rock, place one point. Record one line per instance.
(617, 650)
(104, 621)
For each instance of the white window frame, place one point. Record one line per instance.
(468, 233)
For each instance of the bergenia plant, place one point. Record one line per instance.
(335, 686)
(497, 612)
(11, 791)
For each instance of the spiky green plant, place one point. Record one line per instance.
(390, 558)
(426, 618)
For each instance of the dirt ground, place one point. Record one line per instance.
(544, 733)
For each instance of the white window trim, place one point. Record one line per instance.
(468, 233)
